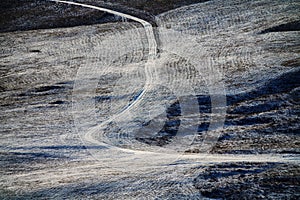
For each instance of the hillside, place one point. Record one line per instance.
(87, 113)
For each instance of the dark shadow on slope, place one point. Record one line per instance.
(258, 101)
(23, 15)
(169, 129)
(12, 162)
(126, 185)
(266, 118)
(144, 9)
(252, 108)
(21, 157)
(291, 26)
(25, 158)
(172, 125)
(280, 84)
(59, 147)
(249, 181)
(58, 88)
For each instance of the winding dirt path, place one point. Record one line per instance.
(152, 46)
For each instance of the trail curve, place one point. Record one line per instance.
(149, 33)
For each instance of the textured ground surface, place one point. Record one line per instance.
(77, 120)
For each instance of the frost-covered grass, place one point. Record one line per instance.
(50, 147)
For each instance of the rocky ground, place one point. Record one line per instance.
(248, 48)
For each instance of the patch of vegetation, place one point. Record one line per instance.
(250, 181)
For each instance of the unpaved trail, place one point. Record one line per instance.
(75, 100)
(152, 48)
